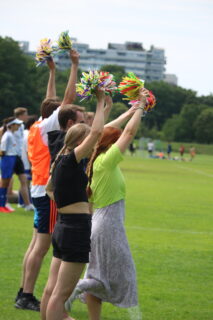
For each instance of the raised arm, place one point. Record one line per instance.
(133, 124)
(51, 90)
(118, 122)
(70, 92)
(86, 147)
(108, 107)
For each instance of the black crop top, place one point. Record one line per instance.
(69, 181)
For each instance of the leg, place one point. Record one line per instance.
(3, 194)
(94, 307)
(24, 188)
(28, 252)
(53, 275)
(10, 187)
(34, 261)
(69, 274)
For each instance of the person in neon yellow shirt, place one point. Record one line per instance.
(110, 275)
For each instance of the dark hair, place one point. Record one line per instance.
(109, 136)
(48, 106)
(5, 122)
(19, 112)
(31, 119)
(68, 113)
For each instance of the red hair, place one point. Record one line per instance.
(109, 136)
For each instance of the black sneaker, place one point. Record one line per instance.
(18, 296)
(29, 303)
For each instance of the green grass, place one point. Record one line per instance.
(169, 227)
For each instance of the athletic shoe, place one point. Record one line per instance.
(20, 205)
(8, 206)
(5, 210)
(29, 207)
(18, 296)
(29, 303)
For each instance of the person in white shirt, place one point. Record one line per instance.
(150, 147)
(24, 156)
(22, 114)
(9, 163)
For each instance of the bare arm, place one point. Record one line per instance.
(51, 90)
(85, 148)
(108, 107)
(70, 92)
(118, 122)
(133, 124)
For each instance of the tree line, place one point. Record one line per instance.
(180, 115)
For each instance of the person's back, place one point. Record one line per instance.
(108, 184)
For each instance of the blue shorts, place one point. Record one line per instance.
(7, 166)
(45, 214)
(10, 165)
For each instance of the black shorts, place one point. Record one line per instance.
(71, 237)
(19, 166)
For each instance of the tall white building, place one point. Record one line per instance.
(171, 78)
(146, 64)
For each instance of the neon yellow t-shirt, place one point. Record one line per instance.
(108, 184)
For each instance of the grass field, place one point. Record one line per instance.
(169, 226)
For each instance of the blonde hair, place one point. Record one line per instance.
(77, 133)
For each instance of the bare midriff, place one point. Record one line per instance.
(75, 208)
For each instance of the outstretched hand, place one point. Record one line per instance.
(100, 94)
(74, 56)
(108, 100)
(51, 63)
(143, 94)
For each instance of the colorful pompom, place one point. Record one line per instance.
(130, 86)
(64, 41)
(150, 102)
(92, 80)
(44, 51)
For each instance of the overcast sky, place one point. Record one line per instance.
(184, 28)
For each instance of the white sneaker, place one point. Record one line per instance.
(8, 206)
(29, 207)
(20, 205)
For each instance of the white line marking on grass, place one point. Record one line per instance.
(196, 171)
(169, 230)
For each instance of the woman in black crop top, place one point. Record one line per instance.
(71, 236)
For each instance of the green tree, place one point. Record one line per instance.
(171, 128)
(170, 100)
(204, 126)
(117, 109)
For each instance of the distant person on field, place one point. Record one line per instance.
(181, 151)
(132, 148)
(192, 153)
(150, 148)
(169, 150)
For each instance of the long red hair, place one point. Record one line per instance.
(109, 136)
